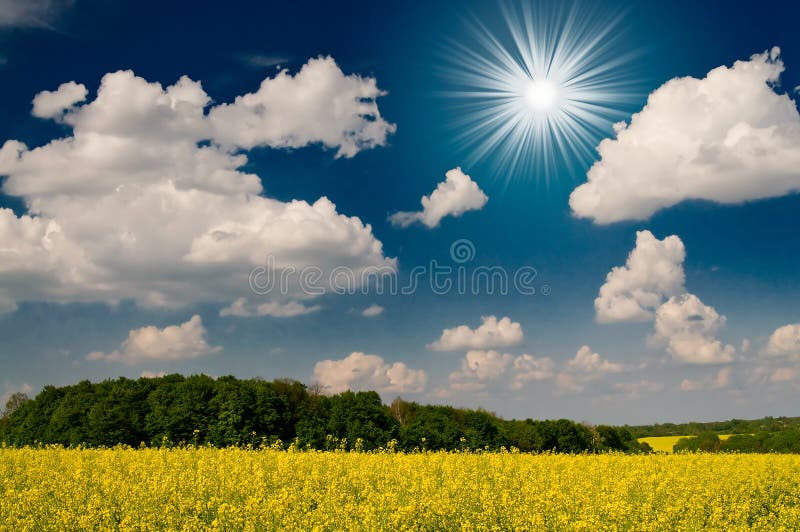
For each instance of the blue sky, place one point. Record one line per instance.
(71, 304)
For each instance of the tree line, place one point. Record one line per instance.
(731, 426)
(784, 441)
(228, 411)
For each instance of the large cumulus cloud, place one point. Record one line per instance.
(729, 137)
(146, 197)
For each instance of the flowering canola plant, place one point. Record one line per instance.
(198, 488)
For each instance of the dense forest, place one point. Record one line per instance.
(198, 410)
(230, 411)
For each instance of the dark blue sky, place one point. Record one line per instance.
(741, 259)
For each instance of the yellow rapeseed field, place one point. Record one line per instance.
(665, 444)
(239, 489)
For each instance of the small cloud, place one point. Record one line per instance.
(652, 274)
(568, 383)
(784, 343)
(688, 328)
(262, 60)
(588, 362)
(745, 345)
(456, 195)
(372, 311)
(723, 378)
(477, 368)
(175, 342)
(783, 375)
(491, 334)
(586, 367)
(528, 368)
(241, 309)
(720, 381)
(441, 393)
(152, 375)
(361, 371)
(53, 104)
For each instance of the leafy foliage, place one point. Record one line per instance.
(732, 426)
(236, 412)
(785, 441)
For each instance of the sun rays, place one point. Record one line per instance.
(543, 92)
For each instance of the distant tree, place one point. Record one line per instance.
(522, 434)
(401, 410)
(431, 427)
(481, 429)
(355, 415)
(14, 401)
(706, 442)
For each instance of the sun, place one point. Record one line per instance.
(535, 100)
(541, 95)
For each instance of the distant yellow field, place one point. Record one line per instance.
(665, 443)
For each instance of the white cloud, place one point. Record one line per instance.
(585, 367)
(779, 358)
(588, 362)
(152, 374)
(372, 311)
(528, 368)
(722, 379)
(745, 345)
(175, 342)
(481, 368)
(639, 290)
(784, 343)
(688, 328)
(784, 375)
(241, 308)
(774, 377)
(567, 383)
(491, 334)
(319, 104)
(30, 13)
(652, 273)
(728, 138)
(359, 371)
(456, 195)
(478, 367)
(53, 104)
(142, 202)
